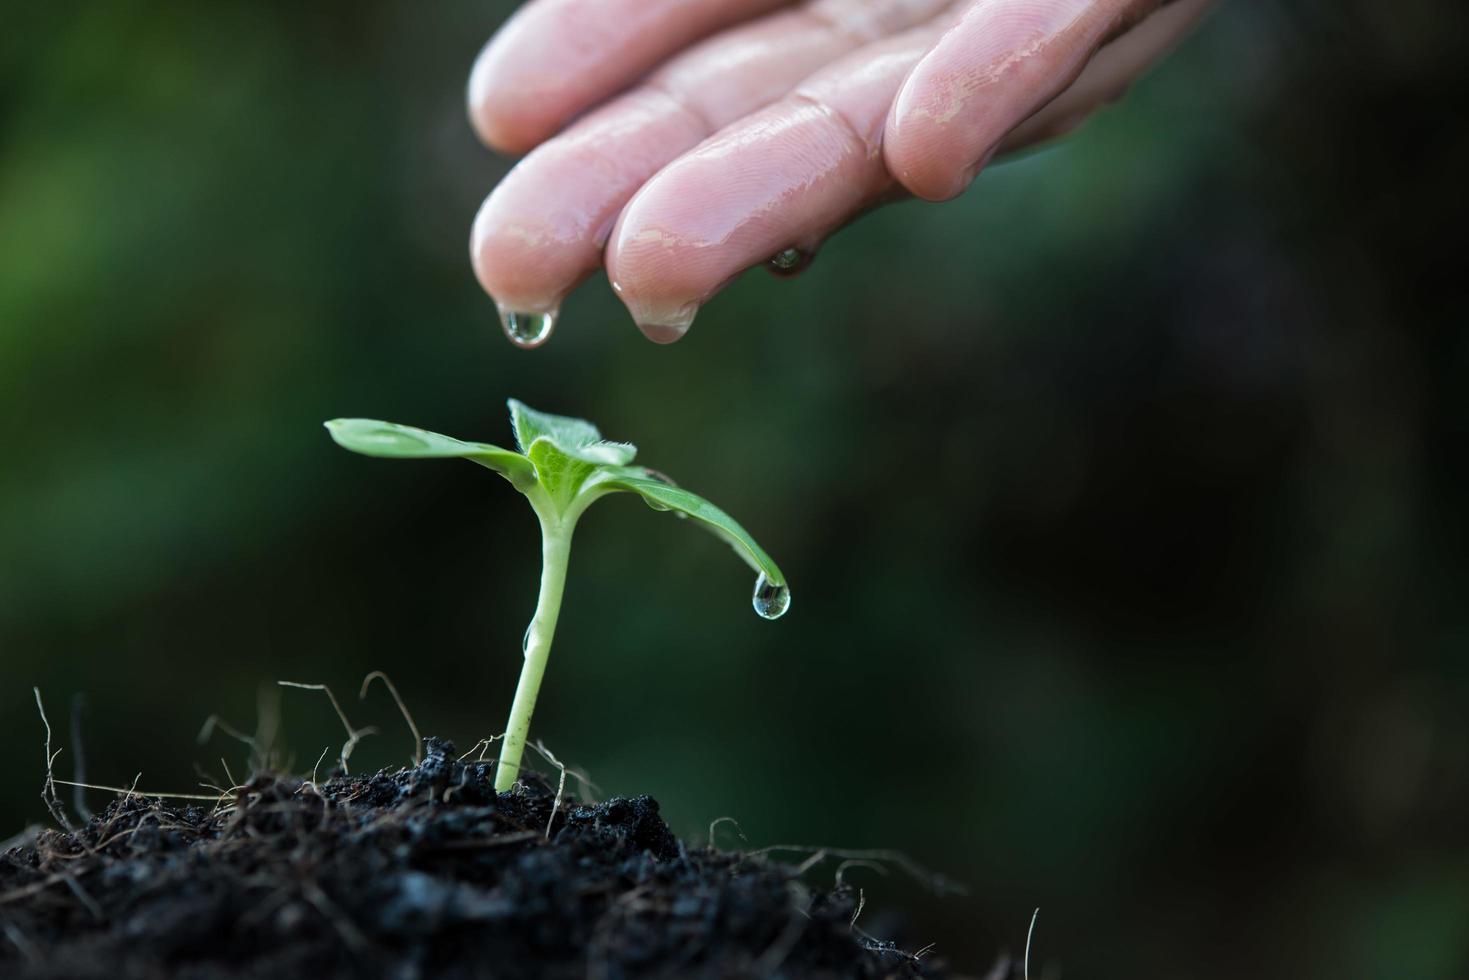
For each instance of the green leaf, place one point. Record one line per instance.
(576, 438)
(661, 495)
(563, 466)
(389, 440)
(561, 476)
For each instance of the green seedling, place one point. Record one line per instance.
(562, 466)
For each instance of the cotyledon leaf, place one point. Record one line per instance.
(389, 440)
(661, 495)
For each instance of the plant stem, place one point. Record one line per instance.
(555, 552)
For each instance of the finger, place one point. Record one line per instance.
(541, 231)
(770, 56)
(1000, 63)
(783, 177)
(556, 58)
(1109, 73)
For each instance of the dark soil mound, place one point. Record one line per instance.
(424, 873)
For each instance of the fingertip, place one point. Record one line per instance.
(917, 151)
(656, 298)
(661, 291)
(541, 232)
(555, 59)
(772, 184)
(518, 272)
(1000, 62)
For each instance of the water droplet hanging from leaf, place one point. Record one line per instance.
(770, 600)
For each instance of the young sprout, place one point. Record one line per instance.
(562, 466)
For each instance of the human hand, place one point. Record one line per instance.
(704, 137)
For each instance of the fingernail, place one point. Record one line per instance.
(527, 329)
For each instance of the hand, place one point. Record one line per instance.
(703, 137)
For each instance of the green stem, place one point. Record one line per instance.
(555, 552)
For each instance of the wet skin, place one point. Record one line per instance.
(680, 142)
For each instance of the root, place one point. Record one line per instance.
(560, 785)
(315, 786)
(79, 759)
(739, 831)
(873, 859)
(869, 940)
(234, 783)
(215, 722)
(130, 791)
(586, 790)
(48, 789)
(810, 862)
(354, 735)
(262, 743)
(934, 882)
(1029, 935)
(858, 863)
(482, 746)
(387, 682)
(267, 727)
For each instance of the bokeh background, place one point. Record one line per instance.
(1123, 499)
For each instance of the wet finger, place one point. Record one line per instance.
(779, 179)
(1109, 73)
(557, 58)
(541, 231)
(1001, 62)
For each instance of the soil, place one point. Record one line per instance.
(421, 873)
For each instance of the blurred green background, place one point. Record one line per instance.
(1122, 499)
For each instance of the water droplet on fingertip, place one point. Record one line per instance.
(663, 333)
(664, 325)
(770, 600)
(527, 330)
(790, 261)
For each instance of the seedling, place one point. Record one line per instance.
(562, 466)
